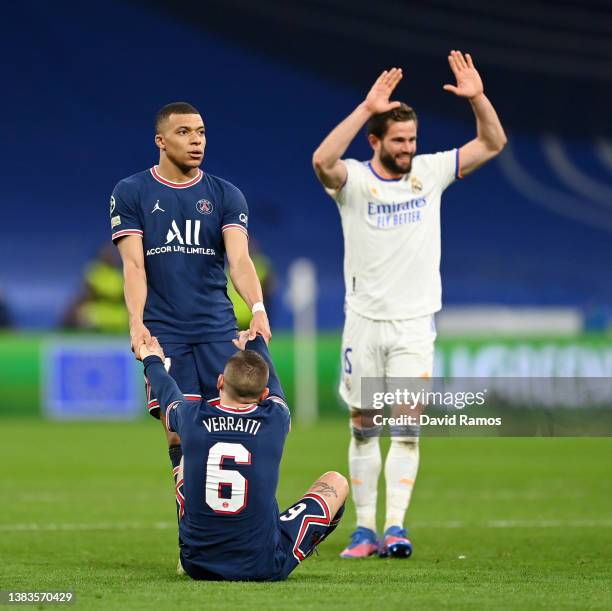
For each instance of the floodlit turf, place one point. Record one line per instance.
(496, 523)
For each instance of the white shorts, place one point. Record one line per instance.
(384, 349)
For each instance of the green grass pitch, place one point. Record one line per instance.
(496, 523)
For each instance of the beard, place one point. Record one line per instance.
(392, 165)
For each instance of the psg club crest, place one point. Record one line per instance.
(204, 206)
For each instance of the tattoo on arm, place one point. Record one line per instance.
(324, 488)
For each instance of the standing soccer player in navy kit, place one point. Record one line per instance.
(173, 225)
(229, 523)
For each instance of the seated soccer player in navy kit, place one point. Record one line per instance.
(229, 524)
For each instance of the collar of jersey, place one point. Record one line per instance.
(236, 410)
(176, 185)
(381, 178)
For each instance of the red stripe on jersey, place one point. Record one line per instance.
(168, 410)
(307, 520)
(176, 185)
(322, 502)
(237, 410)
(235, 226)
(124, 232)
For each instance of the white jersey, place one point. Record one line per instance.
(392, 237)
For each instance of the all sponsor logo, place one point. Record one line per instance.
(244, 218)
(191, 234)
(203, 206)
(182, 239)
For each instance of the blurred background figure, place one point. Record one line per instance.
(100, 306)
(5, 315)
(265, 273)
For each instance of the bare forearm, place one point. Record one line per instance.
(246, 282)
(135, 292)
(337, 141)
(488, 126)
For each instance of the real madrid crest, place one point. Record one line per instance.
(416, 184)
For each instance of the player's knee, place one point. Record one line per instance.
(363, 429)
(338, 482)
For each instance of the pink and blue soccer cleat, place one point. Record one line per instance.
(363, 543)
(395, 543)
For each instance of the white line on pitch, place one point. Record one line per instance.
(517, 524)
(51, 527)
(68, 526)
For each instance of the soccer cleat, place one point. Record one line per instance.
(395, 543)
(179, 567)
(363, 543)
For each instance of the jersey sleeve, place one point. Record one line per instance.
(259, 345)
(124, 217)
(285, 413)
(235, 211)
(167, 392)
(174, 417)
(445, 167)
(352, 187)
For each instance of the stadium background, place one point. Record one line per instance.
(526, 240)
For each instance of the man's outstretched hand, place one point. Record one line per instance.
(377, 100)
(260, 326)
(469, 83)
(151, 348)
(243, 338)
(139, 335)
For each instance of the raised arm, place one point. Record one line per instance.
(490, 137)
(326, 160)
(245, 280)
(134, 288)
(162, 383)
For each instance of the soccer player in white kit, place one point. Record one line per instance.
(390, 212)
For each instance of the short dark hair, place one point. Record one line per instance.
(379, 124)
(246, 375)
(175, 108)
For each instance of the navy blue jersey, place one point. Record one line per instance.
(229, 526)
(182, 227)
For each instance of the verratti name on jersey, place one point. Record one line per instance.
(232, 424)
(392, 215)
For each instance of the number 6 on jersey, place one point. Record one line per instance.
(217, 478)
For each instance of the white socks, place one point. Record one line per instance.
(364, 468)
(401, 469)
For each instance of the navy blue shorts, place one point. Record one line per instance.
(196, 367)
(303, 526)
